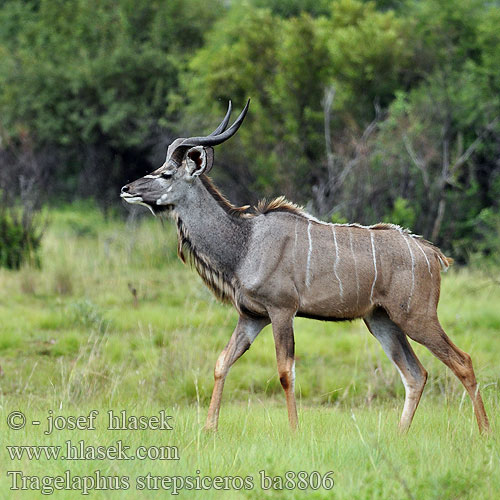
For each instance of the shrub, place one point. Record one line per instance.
(20, 238)
(87, 314)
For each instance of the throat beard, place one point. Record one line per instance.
(221, 285)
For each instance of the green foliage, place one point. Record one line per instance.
(69, 83)
(337, 218)
(447, 32)
(369, 56)
(402, 213)
(20, 238)
(482, 238)
(293, 8)
(303, 74)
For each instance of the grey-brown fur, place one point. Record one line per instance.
(276, 262)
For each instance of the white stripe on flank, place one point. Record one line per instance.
(308, 268)
(426, 259)
(296, 237)
(355, 268)
(374, 267)
(295, 249)
(412, 272)
(337, 262)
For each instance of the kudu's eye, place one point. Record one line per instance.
(166, 175)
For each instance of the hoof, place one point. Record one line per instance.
(210, 428)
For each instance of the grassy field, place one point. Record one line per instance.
(113, 321)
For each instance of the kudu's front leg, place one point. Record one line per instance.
(282, 323)
(244, 334)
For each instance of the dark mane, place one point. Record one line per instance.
(280, 204)
(222, 200)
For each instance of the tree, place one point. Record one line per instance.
(369, 57)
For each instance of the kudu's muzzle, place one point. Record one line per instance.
(145, 190)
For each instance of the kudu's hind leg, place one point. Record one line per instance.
(244, 334)
(282, 323)
(399, 351)
(431, 335)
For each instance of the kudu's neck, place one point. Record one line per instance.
(214, 238)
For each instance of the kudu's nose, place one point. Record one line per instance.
(125, 189)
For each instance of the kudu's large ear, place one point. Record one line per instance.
(199, 160)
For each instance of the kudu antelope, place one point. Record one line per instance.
(277, 262)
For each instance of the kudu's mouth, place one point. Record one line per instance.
(131, 198)
(135, 199)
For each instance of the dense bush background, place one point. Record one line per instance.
(362, 111)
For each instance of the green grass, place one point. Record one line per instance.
(73, 337)
(442, 458)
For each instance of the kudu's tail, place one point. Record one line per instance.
(444, 261)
